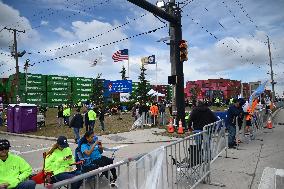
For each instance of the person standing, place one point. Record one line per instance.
(234, 112)
(162, 113)
(66, 114)
(154, 113)
(14, 170)
(77, 123)
(60, 116)
(92, 116)
(102, 117)
(200, 116)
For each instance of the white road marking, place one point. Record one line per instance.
(37, 150)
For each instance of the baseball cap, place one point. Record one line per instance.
(4, 143)
(62, 142)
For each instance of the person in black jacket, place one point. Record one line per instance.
(77, 123)
(200, 116)
(102, 118)
(60, 115)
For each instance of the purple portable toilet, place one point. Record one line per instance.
(25, 118)
(10, 118)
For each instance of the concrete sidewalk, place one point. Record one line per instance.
(243, 168)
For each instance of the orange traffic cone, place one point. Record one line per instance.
(180, 128)
(269, 123)
(170, 126)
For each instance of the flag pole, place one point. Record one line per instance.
(157, 80)
(128, 64)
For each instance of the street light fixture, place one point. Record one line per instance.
(160, 4)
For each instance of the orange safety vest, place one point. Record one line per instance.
(249, 116)
(154, 110)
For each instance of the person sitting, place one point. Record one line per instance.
(93, 150)
(59, 162)
(14, 170)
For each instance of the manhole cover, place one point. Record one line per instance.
(117, 138)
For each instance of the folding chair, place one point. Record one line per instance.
(189, 167)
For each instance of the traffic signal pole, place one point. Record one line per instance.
(172, 14)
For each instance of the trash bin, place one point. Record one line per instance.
(10, 118)
(22, 118)
(25, 118)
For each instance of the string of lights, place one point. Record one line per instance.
(218, 39)
(90, 38)
(97, 47)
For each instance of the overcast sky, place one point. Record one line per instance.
(226, 38)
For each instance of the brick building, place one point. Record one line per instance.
(212, 88)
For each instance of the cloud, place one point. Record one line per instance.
(11, 18)
(64, 33)
(44, 23)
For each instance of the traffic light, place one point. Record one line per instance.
(183, 50)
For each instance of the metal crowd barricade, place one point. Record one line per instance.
(93, 178)
(217, 139)
(187, 161)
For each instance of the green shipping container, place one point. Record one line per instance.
(82, 90)
(82, 80)
(57, 100)
(58, 78)
(51, 95)
(58, 89)
(82, 85)
(59, 84)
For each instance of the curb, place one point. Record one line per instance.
(54, 139)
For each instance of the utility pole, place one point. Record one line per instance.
(26, 66)
(171, 12)
(16, 56)
(271, 71)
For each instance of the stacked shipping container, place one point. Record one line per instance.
(82, 88)
(58, 89)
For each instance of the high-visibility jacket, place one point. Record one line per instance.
(14, 170)
(57, 163)
(231, 101)
(249, 116)
(92, 115)
(154, 110)
(217, 100)
(67, 112)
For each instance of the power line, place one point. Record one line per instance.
(97, 47)
(90, 38)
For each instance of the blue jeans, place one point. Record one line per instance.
(92, 125)
(232, 134)
(76, 133)
(66, 175)
(162, 118)
(28, 184)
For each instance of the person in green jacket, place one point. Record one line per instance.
(92, 115)
(14, 170)
(66, 115)
(59, 162)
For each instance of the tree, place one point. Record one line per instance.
(98, 95)
(194, 93)
(143, 86)
(123, 73)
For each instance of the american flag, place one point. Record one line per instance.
(120, 55)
